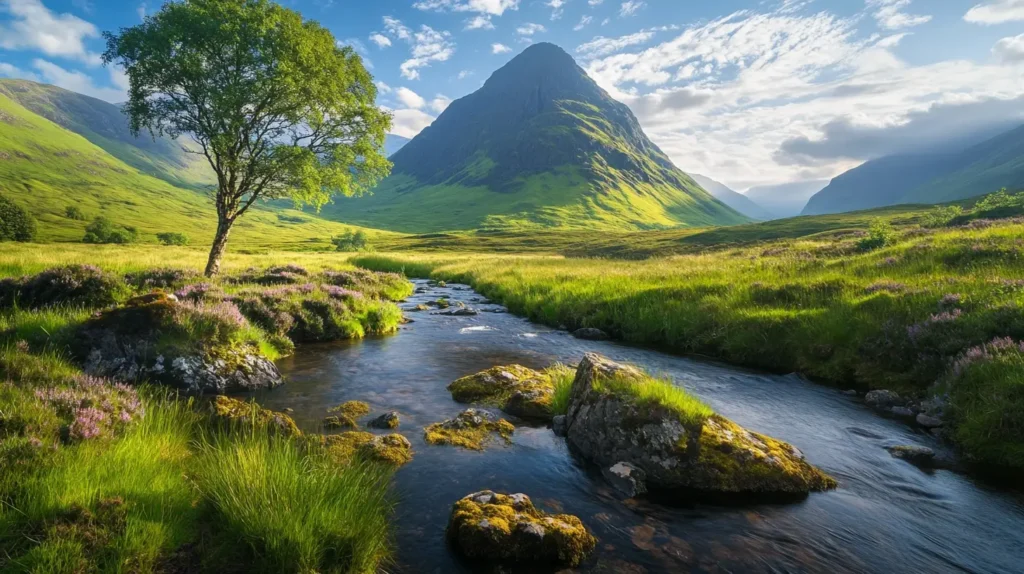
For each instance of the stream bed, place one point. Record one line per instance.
(886, 516)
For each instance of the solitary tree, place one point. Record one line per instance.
(276, 106)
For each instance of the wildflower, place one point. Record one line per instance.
(916, 330)
(887, 286)
(22, 346)
(89, 423)
(950, 300)
(194, 292)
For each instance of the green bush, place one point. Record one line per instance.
(73, 212)
(942, 216)
(880, 234)
(102, 230)
(172, 238)
(15, 223)
(352, 241)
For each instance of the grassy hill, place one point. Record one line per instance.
(47, 168)
(733, 199)
(539, 145)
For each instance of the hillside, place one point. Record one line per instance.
(787, 199)
(539, 145)
(46, 169)
(394, 143)
(927, 177)
(105, 125)
(733, 199)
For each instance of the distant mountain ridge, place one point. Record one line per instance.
(733, 199)
(787, 199)
(930, 177)
(539, 145)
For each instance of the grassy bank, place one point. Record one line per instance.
(896, 308)
(100, 476)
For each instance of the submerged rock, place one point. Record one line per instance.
(515, 389)
(883, 399)
(929, 421)
(558, 425)
(590, 334)
(508, 529)
(712, 454)
(917, 455)
(235, 412)
(626, 478)
(472, 429)
(389, 420)
(459, 312)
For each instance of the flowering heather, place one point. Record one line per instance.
(93, 406)
(194, 292)
(220, 312)
(288, 291)
(986, 352)
(163, 278)
(951, 300)
(915, 331)
(290, 268)
(85, 285)
(336, 292)
(887, 286)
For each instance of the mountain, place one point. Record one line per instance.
(787, 199)
(393, 143)
(106, 126)
(927, 177)
(539, 145)
(47, 168)
(733, 199)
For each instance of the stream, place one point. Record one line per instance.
(886, 516)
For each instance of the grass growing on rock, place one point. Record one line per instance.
(658, 392)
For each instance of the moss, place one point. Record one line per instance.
(393, 449)
(515, 389)
(340, 422)
(353, 409)
(470, 429)
(769, 465)
(342, 447)
(509, 529)
(234, 412)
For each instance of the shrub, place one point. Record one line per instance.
(76, 285)
(942, 216)
(15, 223)
(172, 238)
(880, 234)
(163, 278)
(352, 241)
(102, 230)
(73, 212)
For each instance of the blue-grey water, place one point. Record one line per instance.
(886, 516)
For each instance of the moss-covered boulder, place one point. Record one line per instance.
(618, 414)
(393, 449)
(472, 429)
(507, 529)
(388, 420)
(515, 389)
(235, 413)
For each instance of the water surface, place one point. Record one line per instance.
(886, 516)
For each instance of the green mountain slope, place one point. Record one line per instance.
(104, 125)
(539, 145)
(927, 177)
(733, 199)
(46, 168)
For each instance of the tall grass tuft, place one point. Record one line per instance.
(562, 377)
(659, 392)
(295, 509)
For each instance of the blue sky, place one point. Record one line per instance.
(750, 92)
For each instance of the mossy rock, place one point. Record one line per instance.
(234, 412)
(515, 389)
(353, 409)
(388, 420)
(472, 429)
(339, 422)
(713, 454)
(509, 529)
(393, 449)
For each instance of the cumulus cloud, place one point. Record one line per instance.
(529, 29)
(557, 8)
(583, 23)
(480, 22)
(409, 98)
(79, 82)
(32, 26)
(380, 40)
(601, 46)
(630, 7)
(409, 122)
(426, 46)
(491, 7)
(440, 103)
(890, 14)
(500, 49)
(996, 12)
(1010, 50)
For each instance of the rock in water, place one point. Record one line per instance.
(883, 399)
(558, 425)
(713, 455)
(233, 412)
(472, 429)
(590, 334)
(508, 529)
(917, 455)
(626, 478)
(929, 421)
(389, 420)
(517, 390)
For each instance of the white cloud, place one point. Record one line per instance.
(409, 122)
(731, 97)
(1010, 49)
(31, 26)
(491, 7)
(630, 7)
(500, 49)
(595, 2)
(529, 29)
(84, 5)
(440, 103)
(557, 8)
(583, 23)
(463, 74)
(12, 71)
(79, 82)
(380, 40)
(479, 22)
(382, 87)
(425, 46)
(140, 10)
(409, 98)
(890, 14)
(601, 46)
(996, 12)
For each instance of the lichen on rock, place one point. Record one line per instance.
(472, 429)
(354, 409)
(509, 529)
(234, 412)
(515, 389)
(342, 448)
(388, 420)
(608, 424)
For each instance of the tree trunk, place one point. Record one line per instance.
(220, 241)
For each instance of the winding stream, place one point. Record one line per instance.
(887, 516)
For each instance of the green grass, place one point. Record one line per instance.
(652, 392)
(562, 378)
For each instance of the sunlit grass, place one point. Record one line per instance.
(653, 392)
(562, 377)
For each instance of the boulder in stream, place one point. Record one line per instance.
(617, 414)
(515, 389)
(472, 429)
(235, 413)
(590, 334)
(388, 420)
(393, 449)
(500, 529)
(883, 399)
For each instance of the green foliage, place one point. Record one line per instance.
(75, 213)
(291, 114)
(880, 234)
(941, 216)
(352, 241)
(172, 238)
(999, 200)
(657, 393)
(102, 230)
(15, 223)
(561, 378)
